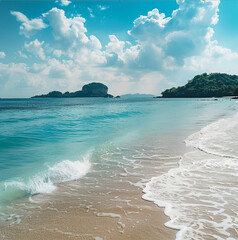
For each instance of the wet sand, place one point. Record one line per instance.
(105, 204)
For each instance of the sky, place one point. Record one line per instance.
(131, 46)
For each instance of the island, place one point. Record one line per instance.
(136, 95)
(205, 86)
(236, 94)
(93, 89)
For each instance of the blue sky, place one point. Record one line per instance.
(131, 46)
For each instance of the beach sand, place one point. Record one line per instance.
(93, 220)
(105, 204)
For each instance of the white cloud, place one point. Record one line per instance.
(185, 34)
(2, 55)
(67, 31)
(149, 27)
(28, 27)
(121, 53)
(63, 2)
(35, 48)
(215, 58)
(71, 38)
(57, 53)
(115, 45)
(22, 55)
(91, 13)
(58, 69)
(14, 80)
(94, 43)
(102, 8)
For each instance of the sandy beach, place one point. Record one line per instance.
(105, 204)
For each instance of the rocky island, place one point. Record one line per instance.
(205, 86)
(89, 90)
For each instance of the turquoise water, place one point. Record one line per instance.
(47, 141)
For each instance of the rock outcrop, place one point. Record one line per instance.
(90, 90)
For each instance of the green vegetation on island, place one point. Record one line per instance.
(90, 90)
(206, 85)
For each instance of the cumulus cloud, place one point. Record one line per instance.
(2, 55)
(35, 48)
(185, 34)
(67, 31)
(63, 2)
(57, 53)
(71, 38)
(121, 53)
(215, 58)
(115, 45)
(28, 26)
(150, 26)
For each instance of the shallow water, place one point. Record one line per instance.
(200, 196)
(49, 141)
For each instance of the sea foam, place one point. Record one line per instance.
(45, 182)
(200, 195)
(218, 138)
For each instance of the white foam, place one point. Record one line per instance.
(44, 182)
(98, 238)
(200, 195)
(113, 215)
(218, 138)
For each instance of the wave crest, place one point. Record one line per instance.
(44, 182)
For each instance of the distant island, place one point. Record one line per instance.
(205, 86)
(89, 90)
(137, 95)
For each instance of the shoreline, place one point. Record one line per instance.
(197, 195)
(105, 204)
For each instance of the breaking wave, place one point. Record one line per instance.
(45, 182)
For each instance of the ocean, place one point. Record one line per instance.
(45, 143)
